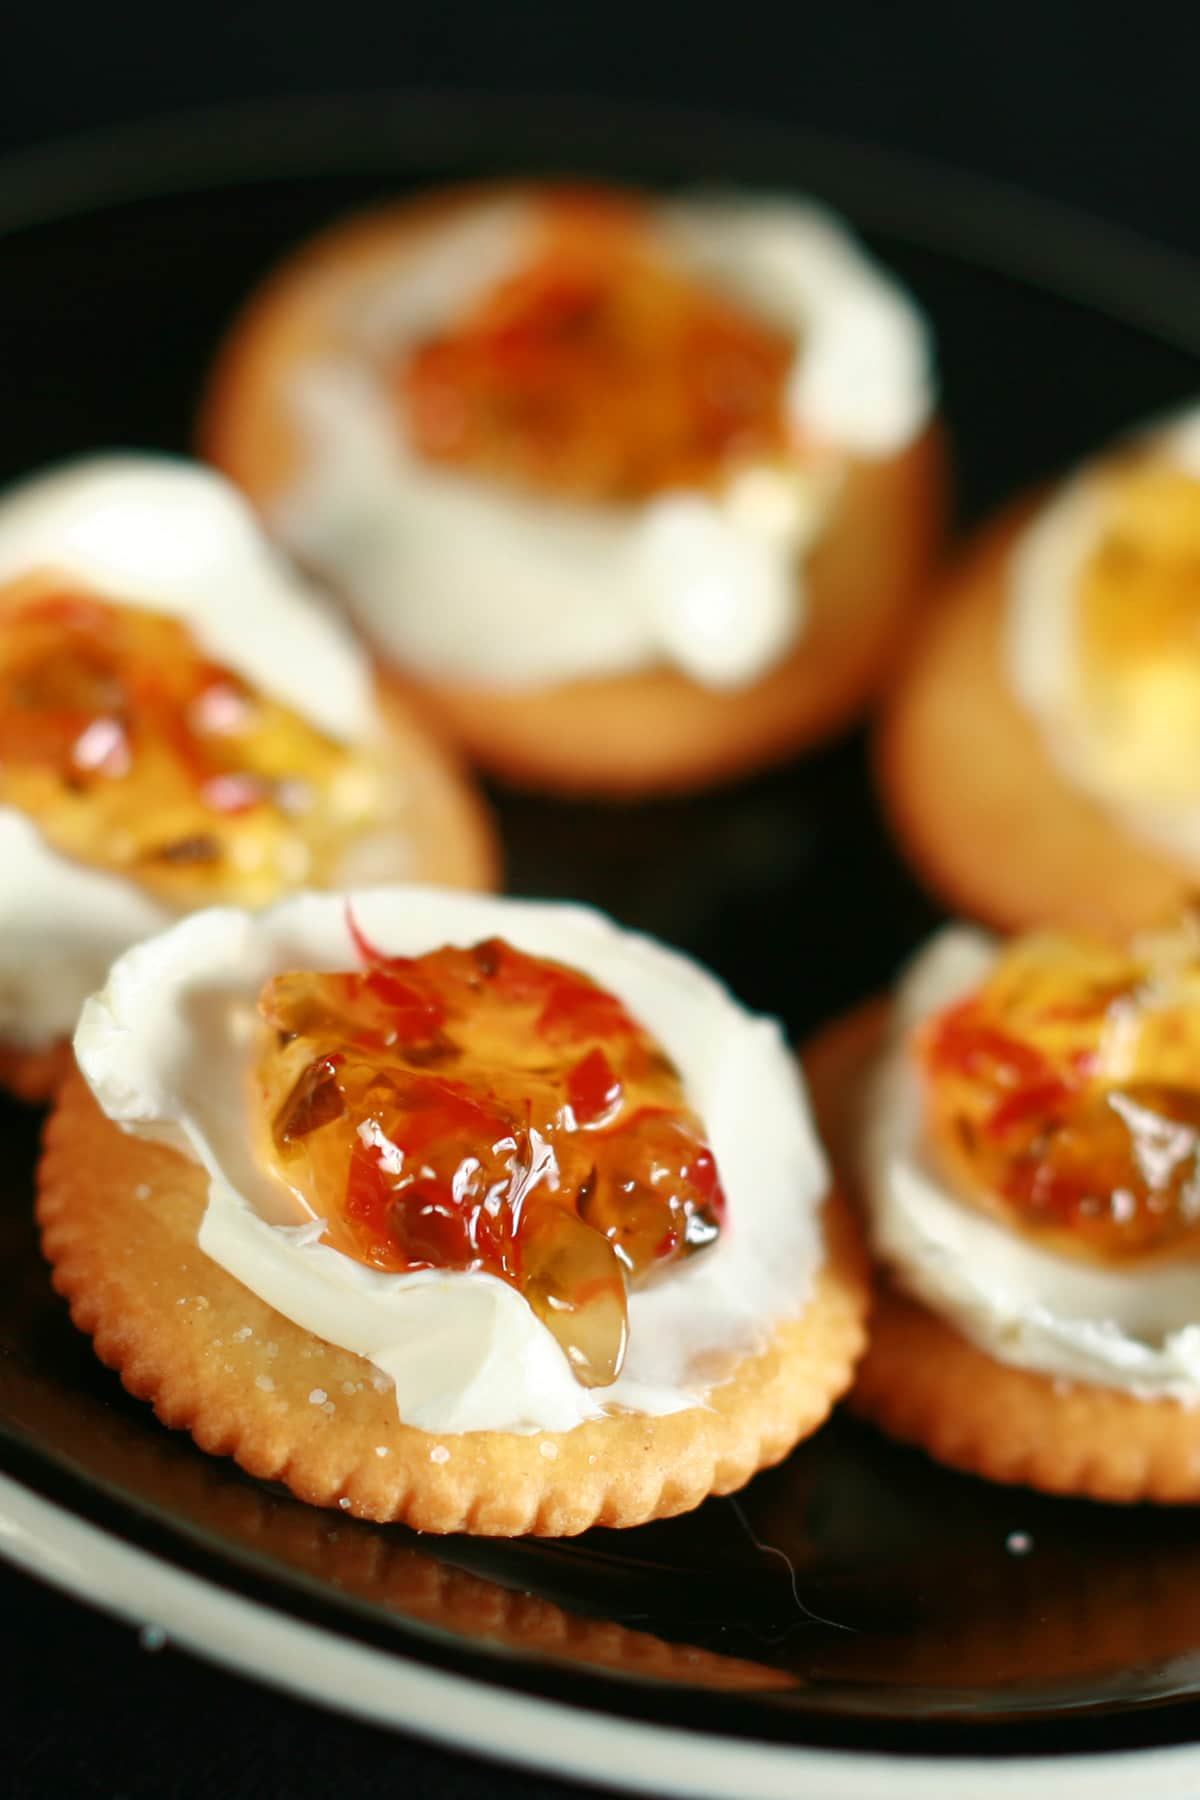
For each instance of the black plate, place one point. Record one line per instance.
(859, 1594)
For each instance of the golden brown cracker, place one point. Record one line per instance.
(975, 800)
(119, 1220)
(444, 831)
(35, 1076)
(925, 1383)
(652, 731)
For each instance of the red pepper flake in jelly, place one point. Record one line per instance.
(136, 752)
(489, 1110)
(1063, 1095)
(599, 371)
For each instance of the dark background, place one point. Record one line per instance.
(1091, 104)
(1094, 108)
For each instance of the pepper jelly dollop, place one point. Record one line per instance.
(134, 751)
(483, 1109)
(1063, 1094)
(600, 371)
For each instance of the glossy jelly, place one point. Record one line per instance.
(1064, 1093)
(135, 752)
(600, 371)
(483, 1109)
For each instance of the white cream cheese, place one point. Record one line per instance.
(1181, 439)
(177, 539)
(862, 377)
(167, 1047)
(1135, 1329)
(61, 925)
(1143, 766)
(462, 580)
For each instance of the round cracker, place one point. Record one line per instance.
(979, 807)
(923, 1382)
(35, 1075)
(926, 1384)
(120, 1218)
(444, 831)
(649, 732)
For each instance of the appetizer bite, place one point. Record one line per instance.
(180, 723)
(1041, 756)
(478, 1214)
(1023, 1128)
(636, 493)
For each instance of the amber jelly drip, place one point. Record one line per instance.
(482, 1109)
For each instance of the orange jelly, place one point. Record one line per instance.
(1064, 1094)
(487, 1110)
(136, 752)
(599, 371)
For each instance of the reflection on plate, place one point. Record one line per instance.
(857, 1596)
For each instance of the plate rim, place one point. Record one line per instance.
(1077, 258)
(400, 1692)
(1074, 254)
